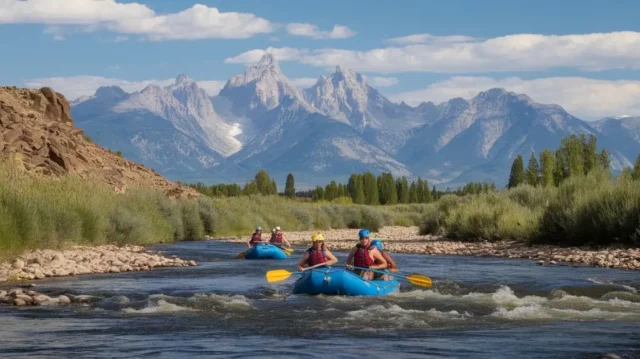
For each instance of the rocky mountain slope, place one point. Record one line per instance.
(338, 126)
(38, 133)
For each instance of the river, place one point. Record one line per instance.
(224, 307)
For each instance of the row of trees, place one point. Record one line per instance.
(576, 155)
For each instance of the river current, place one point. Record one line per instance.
(224, 307)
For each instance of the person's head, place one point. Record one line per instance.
(363, 235)
(258, 229)
(317, 240)
(278, 228)
(377, 243)
(273, 230)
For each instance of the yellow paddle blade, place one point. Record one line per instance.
(288, 251)
(419, 280)
(278, 275)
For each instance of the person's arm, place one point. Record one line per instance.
(377, 256)
(249, 241)
(392, 266)
(331, 258)
(286, 242)
(303, 261)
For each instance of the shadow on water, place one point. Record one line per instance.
(477, 307)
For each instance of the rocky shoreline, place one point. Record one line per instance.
(40, 264)
(407, 240)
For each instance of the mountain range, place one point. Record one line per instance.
(338, 126)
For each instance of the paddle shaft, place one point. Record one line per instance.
(416, 279)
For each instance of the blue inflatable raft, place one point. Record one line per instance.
(265, 251)
(340, 281)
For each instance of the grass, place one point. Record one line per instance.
(38, 212)
(593, 210)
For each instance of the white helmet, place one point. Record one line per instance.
(277, 228)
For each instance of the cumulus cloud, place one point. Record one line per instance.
(584, 98)
(197, 22)
(429, 39)
(520, 52)
(309, 30)
(73, 87)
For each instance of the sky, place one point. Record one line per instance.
(582, 55)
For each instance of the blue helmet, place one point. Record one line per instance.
(363, 233)
(377, 243)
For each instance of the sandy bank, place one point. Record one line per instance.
(407, 240)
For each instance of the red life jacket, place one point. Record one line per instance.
(256, 238)
(362, 258)
(315, 257)
(278, 239)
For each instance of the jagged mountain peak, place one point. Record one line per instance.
(110, 91)
(182, 79)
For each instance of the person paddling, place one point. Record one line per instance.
(365, 255)
(256, 237)
(391, 264)
(317, 254)
(278, 238)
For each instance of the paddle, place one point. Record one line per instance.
(415, 279)
(243, 254)
(278, 275)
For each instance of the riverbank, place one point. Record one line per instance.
(77, 260)
(408, 240)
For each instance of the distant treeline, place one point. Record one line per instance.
(362, 188)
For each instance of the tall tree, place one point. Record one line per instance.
(331, 191)
(605, 159)
(359, 198)
(413, 193)
(341, 191)
(560, 171)
(273, 189)
(547, 160)
(420, 190)
(289, 187)
(517, 172)
(318, 194)
(352, 187)
(533, 171)
(370, 189)
(403, 191)
(635, 173)
(263, 182)
(590, 152)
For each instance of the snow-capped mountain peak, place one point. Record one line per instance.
(262, 87)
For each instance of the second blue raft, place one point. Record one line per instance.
(340, 281)
(265, 251)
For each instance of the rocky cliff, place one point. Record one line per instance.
(38, 133)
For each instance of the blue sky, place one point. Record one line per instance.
(583, 55)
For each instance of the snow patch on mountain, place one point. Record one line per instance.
(361, 151)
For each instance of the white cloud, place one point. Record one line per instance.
(520, 52)
(379, 81)
(75, 86)
(197, 22)
(304, 81)
(309, 30)
(429, 39)
(281, 54)
(56, 31)
(582, 97)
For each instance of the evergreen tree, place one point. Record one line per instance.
(428, 195)
(635, 173)
(341, 191)
(359, 190)
(420, 186)
(388, 193)
(370, 189)
(559, 169)
(533, 171)
(590, 153)
(263, 182)
(352, 187)
(548, 163)
(572, 147)
(413, 193)
(289, 187)
(403, 192)
(331, 191)
(517, 172)
(605, 159)
(434, 193)
(274, 187)
(318, 194)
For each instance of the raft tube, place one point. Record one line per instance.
(340, 281)
(265, 251)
